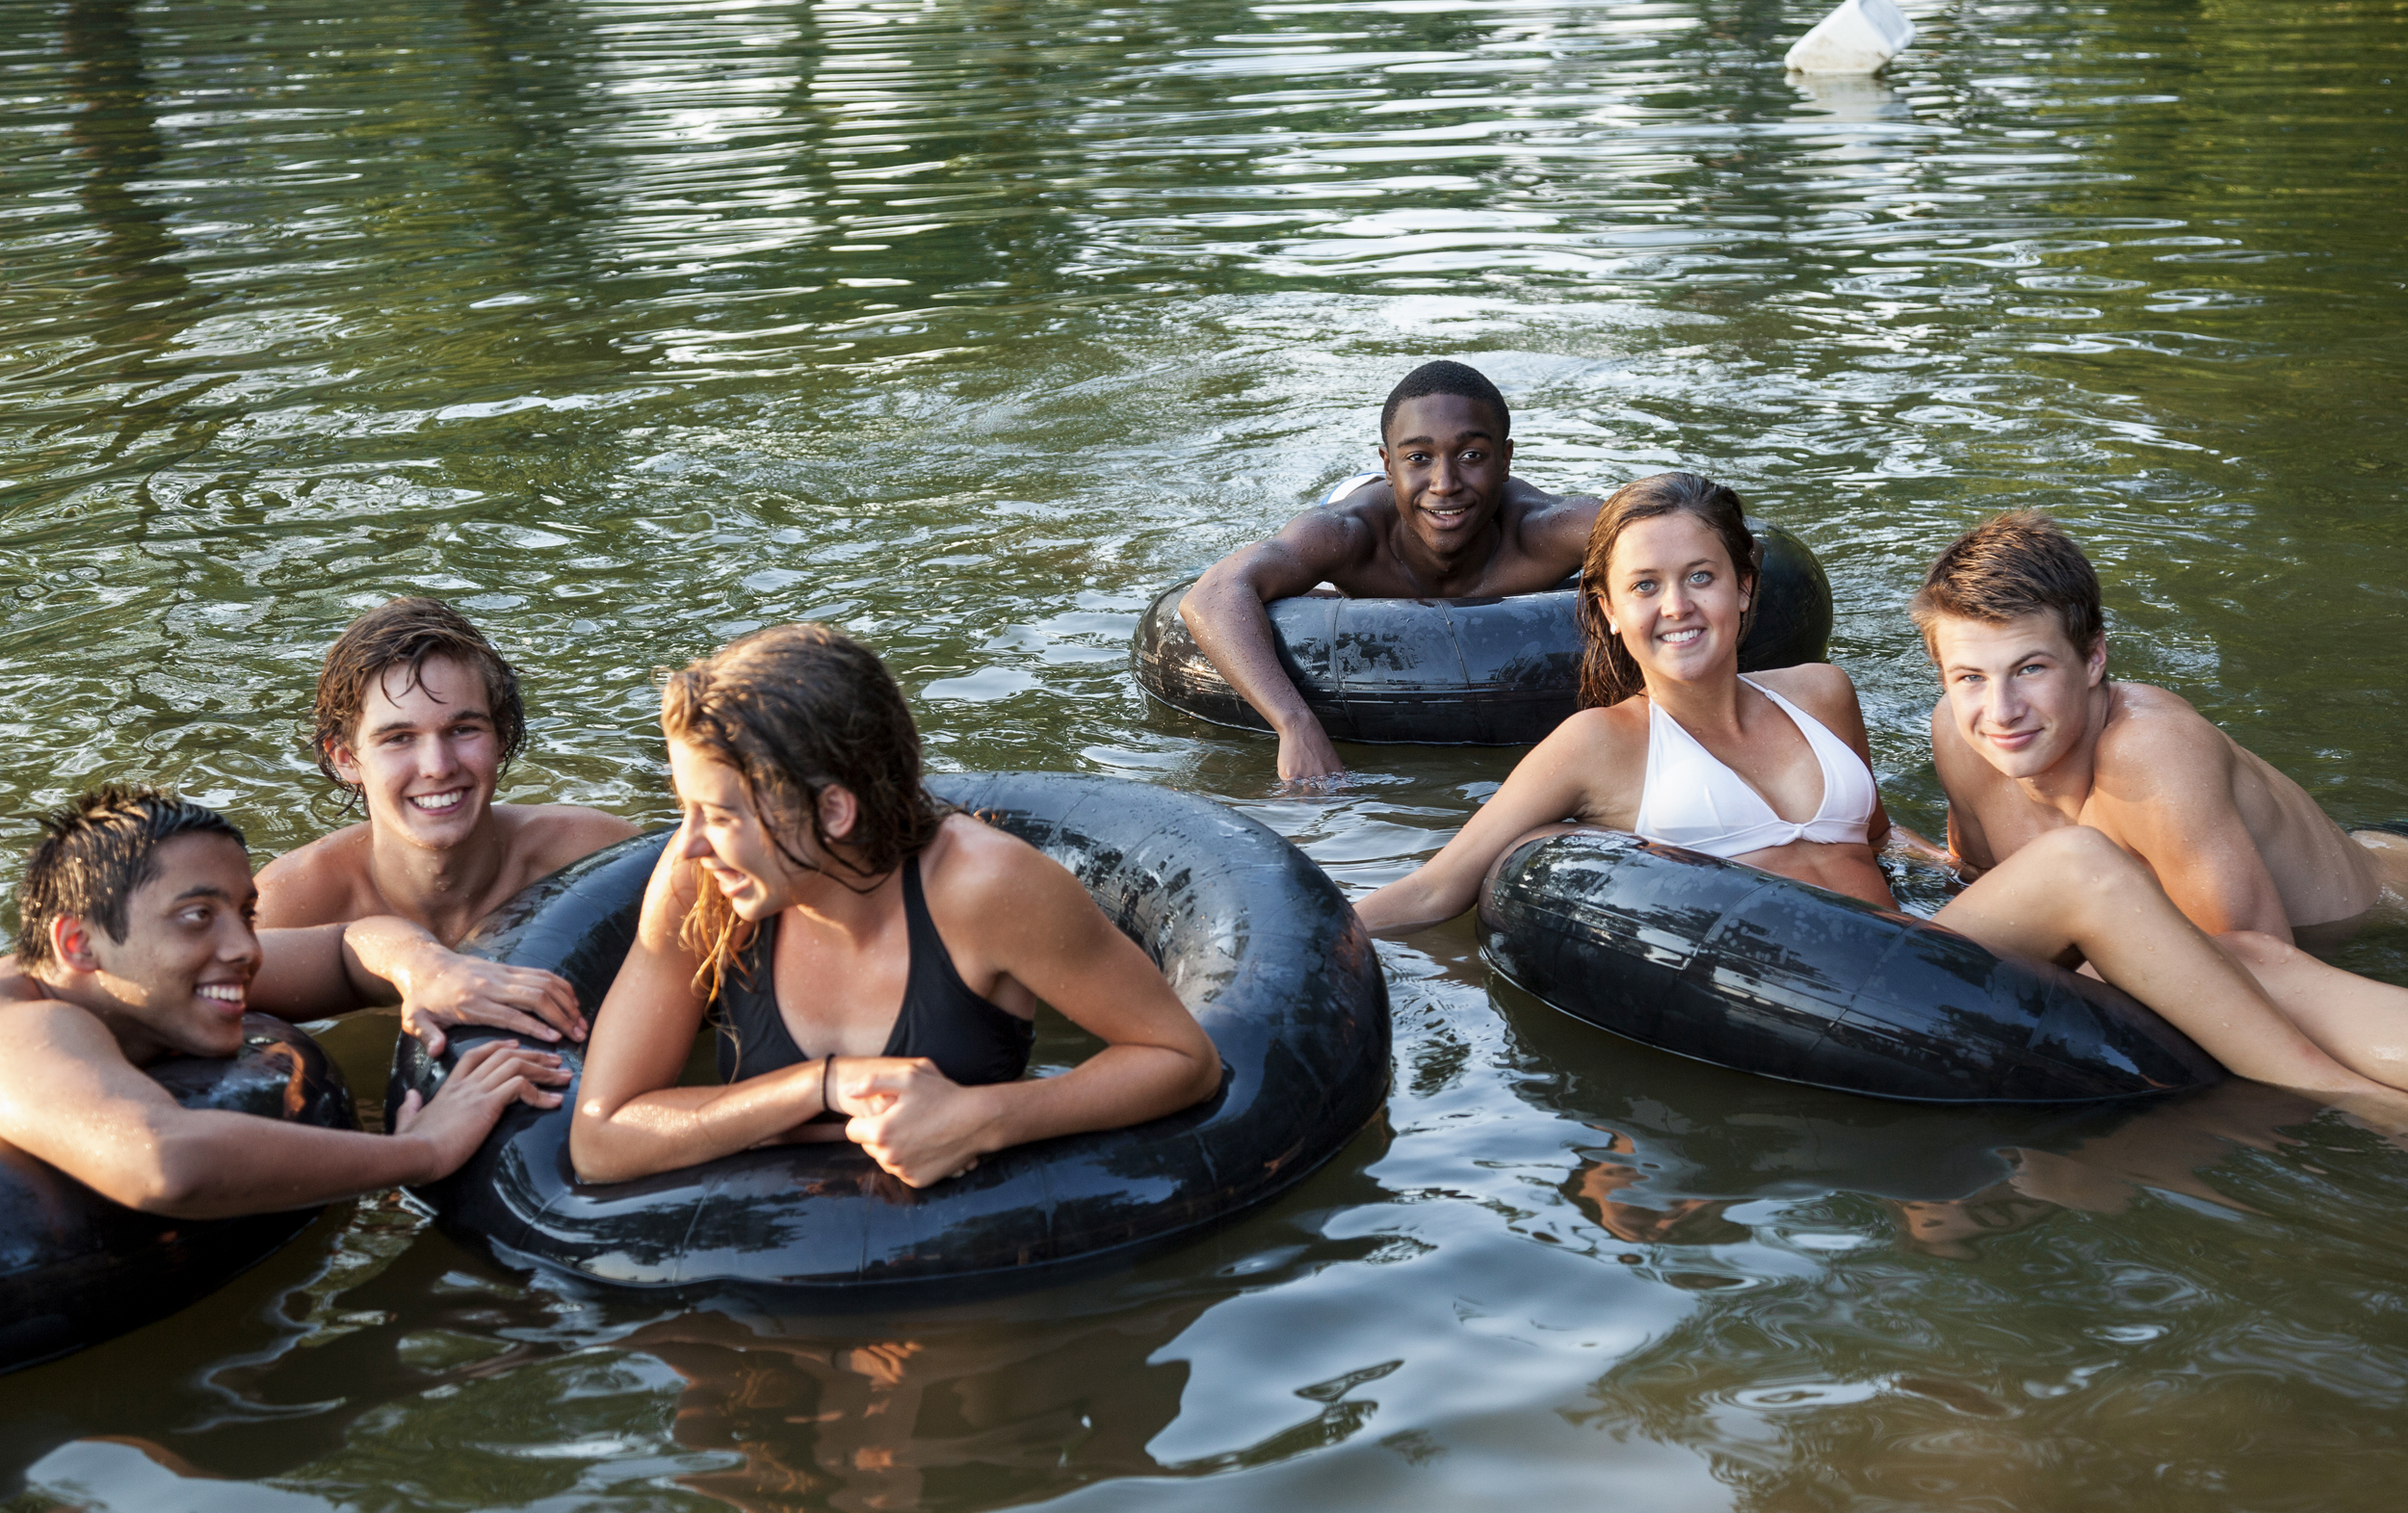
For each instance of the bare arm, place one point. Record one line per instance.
(313, 884)
(1225, 612)
(438, 986)
(1585, 769)
(2168, 800)
(1009, 905)
(69, 1096)
(1959, 770)
(631, 1119)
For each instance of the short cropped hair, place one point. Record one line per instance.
(2009, 567)
(95, 855)
(1446, 378)
(405, 633)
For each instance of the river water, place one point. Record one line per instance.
(628, 325)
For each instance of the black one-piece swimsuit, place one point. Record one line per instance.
(970, 1039)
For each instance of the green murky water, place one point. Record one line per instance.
(629, 326)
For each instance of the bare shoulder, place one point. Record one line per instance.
(1604, 747)
(1335, 535)
(1820, 688)
(2151, 736)
(548, 837)
(1554, 526)
(324, 882)
(994, 885)
(54, 1048)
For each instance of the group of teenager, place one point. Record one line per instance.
(869, 961)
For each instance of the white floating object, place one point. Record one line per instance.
(1858, 37)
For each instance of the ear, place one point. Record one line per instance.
(2094, 663)
(839, 812)
(345, 762)
(71, 944)
(1504, 453)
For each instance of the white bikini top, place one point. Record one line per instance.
(1693, 799)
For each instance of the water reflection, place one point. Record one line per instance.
(630, 326)
(862, 1421)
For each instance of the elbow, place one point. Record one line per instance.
(593, 1155)
(173, 1183)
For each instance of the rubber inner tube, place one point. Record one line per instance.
(76, 1269)
(1443, 672)
(1728, 964)
(1255, 939)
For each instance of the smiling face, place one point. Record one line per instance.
(2019, 690)
(424, 756)
(1448, 460)
(1673, 597)
(721, 832)
(182, 975)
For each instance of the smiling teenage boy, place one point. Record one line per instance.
(417, 716)
(2032, 736)
(1446, 521)
(137, 943)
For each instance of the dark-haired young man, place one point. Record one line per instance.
(416, 715)
(137, 943)
(2030, 736)
(1447, 520)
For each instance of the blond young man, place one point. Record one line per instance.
(2030, 736)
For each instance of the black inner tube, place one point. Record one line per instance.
(1252, 936)
(76, 1269)
(1728, 964)
(1453, 671)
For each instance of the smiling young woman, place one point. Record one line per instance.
(870, 960)
(1773, 772)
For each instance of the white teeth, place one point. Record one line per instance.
(436, 803)
(223, 992)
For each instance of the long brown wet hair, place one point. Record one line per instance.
(794, 709)
(1608, 673)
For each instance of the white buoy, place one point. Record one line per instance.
(1858, 37)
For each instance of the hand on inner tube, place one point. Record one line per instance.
(916, 1122)
(443, 988)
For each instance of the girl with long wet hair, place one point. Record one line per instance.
(870, 960)
(1772, 771)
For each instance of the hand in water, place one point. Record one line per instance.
(444, 987)
(1306, 755)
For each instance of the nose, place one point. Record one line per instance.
(690, 844)
(1442, 478)
(238, 944)
(435, 757)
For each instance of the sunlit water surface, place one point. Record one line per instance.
(630, 326)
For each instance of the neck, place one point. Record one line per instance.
(848, 902)
(1440, 574)
(2065, 785)
(443, 890)
(1711, 703)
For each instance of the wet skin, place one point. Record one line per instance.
(71, 1091)
(1449, 521)
(1017, 926)
(2030, 737)
(436, 852)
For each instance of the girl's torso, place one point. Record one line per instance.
(793, 998)
(1687, 796)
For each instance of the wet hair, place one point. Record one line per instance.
(1608, 673)
(95, 855)
(795, 709)
(1446, 378)
(2010, 565)
(407, 633)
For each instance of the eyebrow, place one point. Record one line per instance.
(391, 725)
(1431, 441)
(201, 891)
